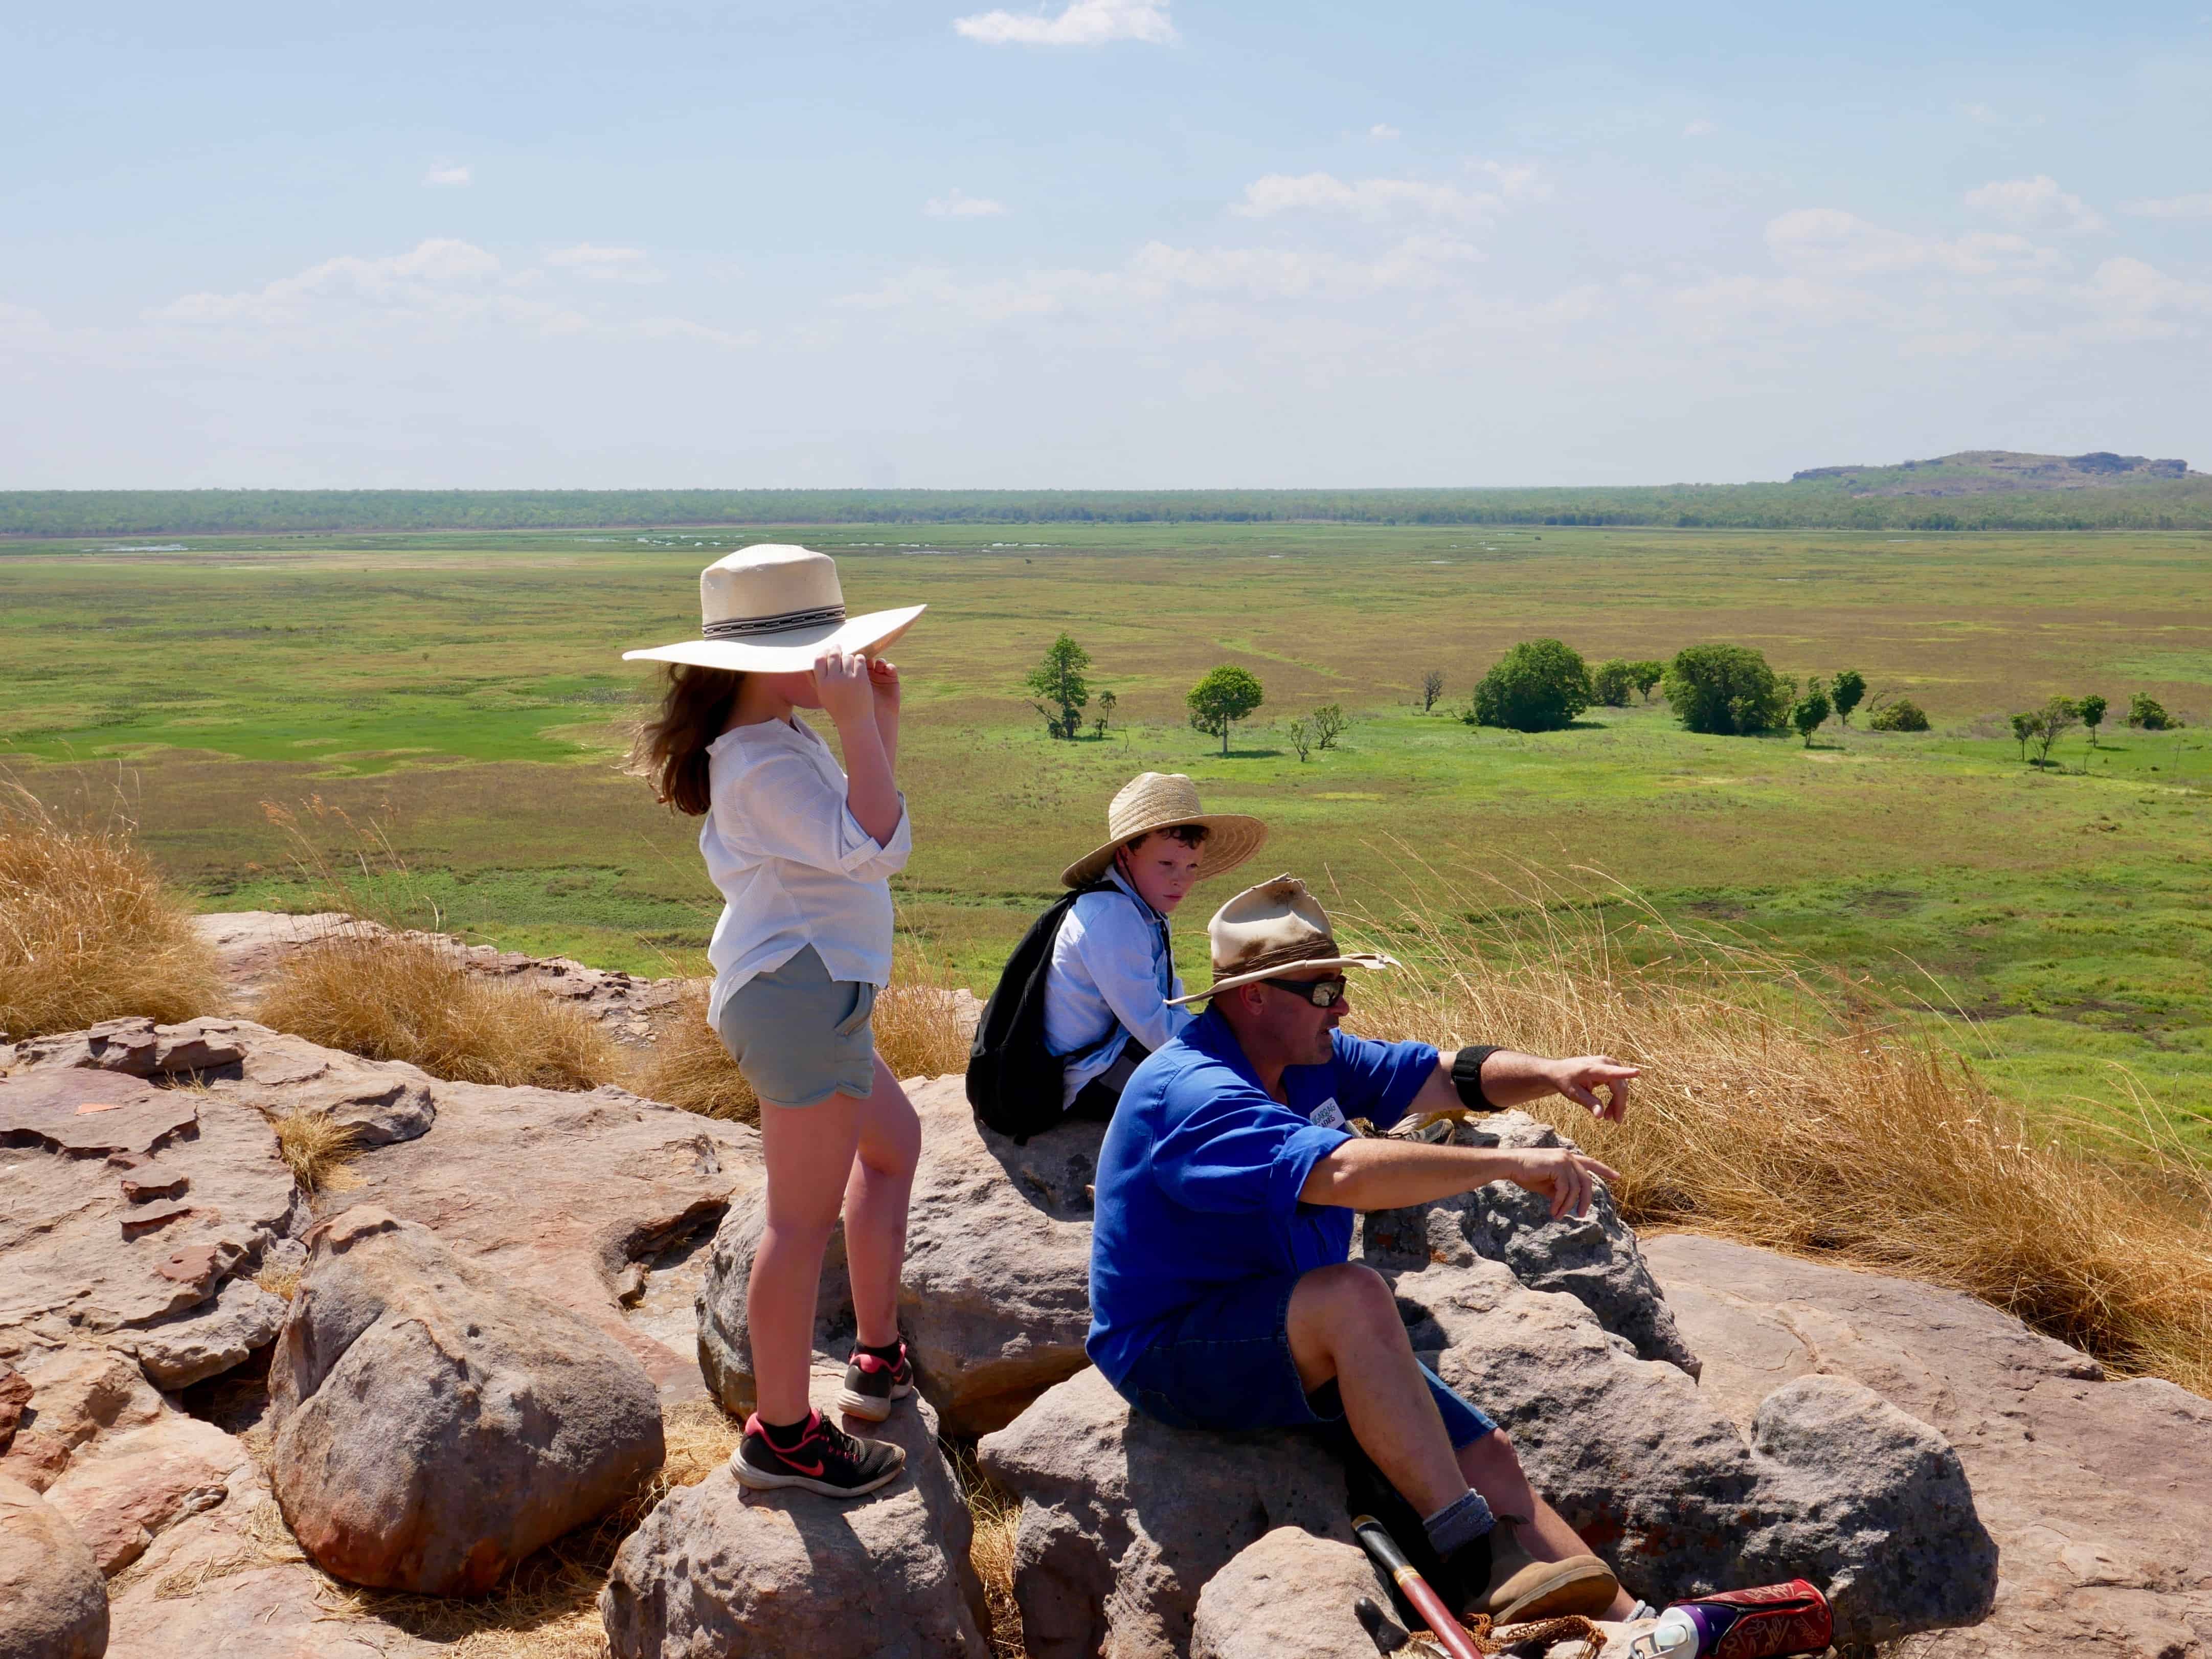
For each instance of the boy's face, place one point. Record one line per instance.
(1162, 869)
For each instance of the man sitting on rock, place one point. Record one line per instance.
(1221, 1297)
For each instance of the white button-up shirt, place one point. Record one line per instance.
(1112, 973)
(794, 866)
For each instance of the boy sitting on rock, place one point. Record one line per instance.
(1113, 970)
(1220, 1294)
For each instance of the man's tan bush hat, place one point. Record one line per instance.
(773, 608)
(1161, 800)
(1271, 929)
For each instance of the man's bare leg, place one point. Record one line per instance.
(1493, 1468)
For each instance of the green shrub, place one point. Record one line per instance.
(1726, 690)
(1809, 710)
(1540, 686)
(1903, 716)
(1845, 691)
(2147, 713)
(1647, 674)
(1612, 681)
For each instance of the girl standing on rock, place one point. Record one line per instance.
(802, 853)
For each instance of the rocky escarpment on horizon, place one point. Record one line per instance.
(1999, 471)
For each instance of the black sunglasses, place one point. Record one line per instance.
(1322, 993)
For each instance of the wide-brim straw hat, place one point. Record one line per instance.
(1277, 927)
(773, 608)
(1161, 800)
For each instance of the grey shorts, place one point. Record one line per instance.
(800, 1036)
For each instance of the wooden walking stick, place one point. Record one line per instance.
(1383, 1551)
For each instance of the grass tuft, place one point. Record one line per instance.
(88, 931)
(997, 1514)
(316, 1150)
(1806, 1114)
(385, 997)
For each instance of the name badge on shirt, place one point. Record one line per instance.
(1327, 1116)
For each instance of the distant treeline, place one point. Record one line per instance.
(2184, 504)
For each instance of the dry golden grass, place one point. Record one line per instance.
(997, 1514)
(316, 1150)
(1804, 1116)
(919, 1031)
(384, 996)
(87, 931)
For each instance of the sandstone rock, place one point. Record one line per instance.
(380, 1102)
(15, 1395)
(1595, 1258)
(134, 1046)
(53, 1603)
(78, 1394)
(995, 1299)
(133, 1486)
(718, 1571)
(437, 1423)
(2098, 1493)
(205, 1342)
(82, 1258)
(1124, 1521)
(1290, 1593)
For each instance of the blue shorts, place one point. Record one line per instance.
(1226, 1363)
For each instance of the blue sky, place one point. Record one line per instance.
(1115, 243)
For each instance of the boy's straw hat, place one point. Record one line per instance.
(1161, 800)
(1273, 928)
(774, 609)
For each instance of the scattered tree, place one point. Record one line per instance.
(1845, 691)
(1105, 715)
(1540, 686)
(1220, 699)
(1903, 716)
(1726, 690)
(1612, 681)
(1302, 736)
(2092, 708)
(1329, 723)
(2052, 721)
(1647, 674)
(1432, 687)
(2144, 711)
(2024, 728)
(1059, 687)
(1809, 710)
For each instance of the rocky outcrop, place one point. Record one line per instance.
(1289, 1593)
(1124, 1521)
(53, 1602)
(994, 1299)
(716, 1570)
(205, 1342)
(136, 1484)
(77, 1395)
(436, 1422)
(2097, 1492)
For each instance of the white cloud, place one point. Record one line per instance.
(1083, 23)
(2036, 204)
(1701, 128)
(2171, 207)
(1383, 130)
(448, 175)
(1829, 241)
(958, 204)
(1370, 198)
(430, 273)
(606, 264)
(2130, 285)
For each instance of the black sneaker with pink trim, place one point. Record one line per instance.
(826, 1459)
(872, 1382)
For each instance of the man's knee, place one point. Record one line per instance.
(1352, 1297)
(1493, 1466)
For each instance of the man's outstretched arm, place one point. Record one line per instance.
(1510, 1079)
(1383, 1174)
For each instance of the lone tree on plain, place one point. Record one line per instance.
(1612, 681)
(1220, 699)
(2025, 726)
(1726, 690)
(1329, 723)
(1845, 691)
(2092, 709)
(1302, 736)
(1809, 710)
(1432, 687)
(1105, 715)
(1060, 690)
(2053, 720)
(1540, 686)
(1647, 675)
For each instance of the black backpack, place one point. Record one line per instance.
(1014, 1082)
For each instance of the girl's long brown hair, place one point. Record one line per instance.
(670, 751)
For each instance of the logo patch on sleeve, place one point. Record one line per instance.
(1327, 1115)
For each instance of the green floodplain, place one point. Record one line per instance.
(463, 692)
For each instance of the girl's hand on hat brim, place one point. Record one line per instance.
(883, 681)
(843, 680)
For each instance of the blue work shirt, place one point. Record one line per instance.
(1198, 1178)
